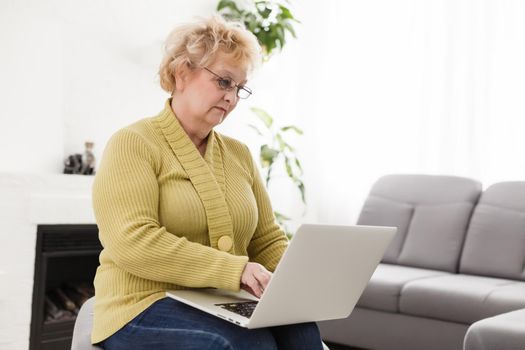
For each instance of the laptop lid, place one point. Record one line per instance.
(322, 274)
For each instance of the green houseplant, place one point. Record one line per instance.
(277, 151)
(270, 21)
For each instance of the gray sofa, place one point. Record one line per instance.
(454, 274)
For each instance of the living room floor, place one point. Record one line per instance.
(334, 346)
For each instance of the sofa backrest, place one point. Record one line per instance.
(431, 212)
(495, 241)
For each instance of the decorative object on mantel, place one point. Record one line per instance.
(78, 164)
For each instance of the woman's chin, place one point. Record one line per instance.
(217, 118)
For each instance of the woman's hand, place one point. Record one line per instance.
(255, 278)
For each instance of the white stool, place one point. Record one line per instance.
(83, 328)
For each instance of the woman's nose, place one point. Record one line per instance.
(231, 96)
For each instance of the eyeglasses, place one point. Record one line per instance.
(228, 84)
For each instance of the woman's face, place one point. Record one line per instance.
(206, 103)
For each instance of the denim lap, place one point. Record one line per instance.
(169, 324)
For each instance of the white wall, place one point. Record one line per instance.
(75, 70)
(111, 54)
(31, 89)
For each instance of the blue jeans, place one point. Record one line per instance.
(169, 324)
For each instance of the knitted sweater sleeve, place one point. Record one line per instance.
(269, 241)
(125, 202)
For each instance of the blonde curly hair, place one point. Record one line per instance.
(197, 45)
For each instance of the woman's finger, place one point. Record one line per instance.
(256, 277)
(248, 289)
(263, 277)
(254, 286)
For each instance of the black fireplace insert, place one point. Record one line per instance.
(65, 264)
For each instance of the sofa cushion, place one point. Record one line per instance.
(427, 189)
(461, 298)
(443, 205)
(435, 237)
(506, 298)
(495, 243)
(383, 290)
(499, 332)
(379, 211)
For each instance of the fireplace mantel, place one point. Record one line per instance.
(27, 200)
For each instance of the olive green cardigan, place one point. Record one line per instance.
(169, 218)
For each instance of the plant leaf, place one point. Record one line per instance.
(282, 144)
(265, 11)
(293, 128)
(279, 32)
(268, 155)
(289, 147)
(263, 115)
(298, 164)
(256, 129)
(280, 216)
(288, 26)
(300, 185)
(284, 12)
(288, 167)
(228, 4)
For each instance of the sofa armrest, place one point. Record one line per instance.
(505, 331)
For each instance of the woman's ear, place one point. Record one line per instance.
(182, 75)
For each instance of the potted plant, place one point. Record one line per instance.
(268, 20)
(277, 151)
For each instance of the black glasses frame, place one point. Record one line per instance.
(228, 84)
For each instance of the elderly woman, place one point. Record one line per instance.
(179, 205)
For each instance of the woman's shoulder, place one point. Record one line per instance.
(143, 128)
(237, 151)
(233, 146)
(137, 138)
(141, 131)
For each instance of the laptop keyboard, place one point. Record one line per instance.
(244, 308)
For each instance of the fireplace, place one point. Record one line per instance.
(66, 259)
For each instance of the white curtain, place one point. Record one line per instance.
(413, 86)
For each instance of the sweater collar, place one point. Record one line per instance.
(206, 174)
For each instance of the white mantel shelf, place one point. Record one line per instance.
(28, 200)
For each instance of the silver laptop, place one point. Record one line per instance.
(320, 277)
